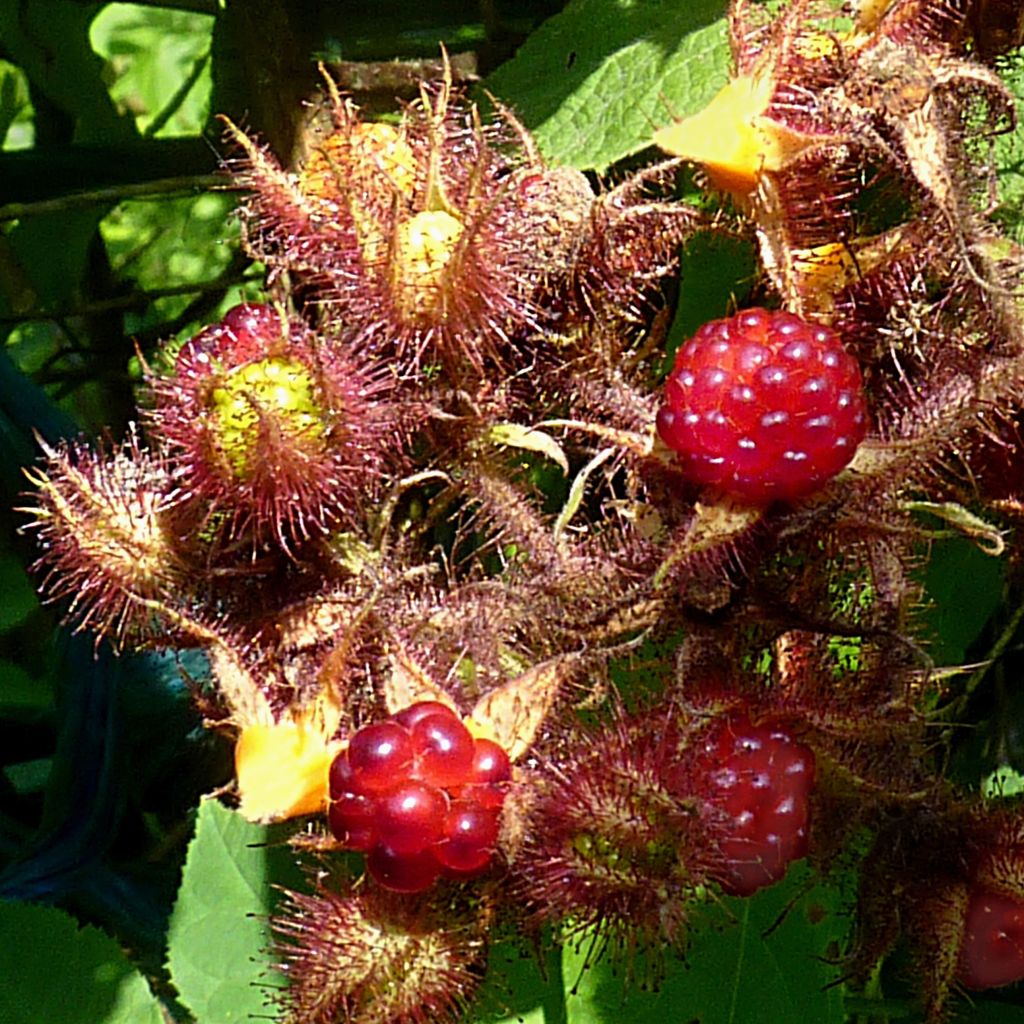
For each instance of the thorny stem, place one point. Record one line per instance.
(389, 504)
(710, 529)
(945, 413)
(638, 444)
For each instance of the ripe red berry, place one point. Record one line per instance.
(352, 820)
(410, 816)
(491, 763)
(444, 750)
(469, 835)
(489, 775)
(420, 796)
(341, 778)
(992, 952)
(403, 872)
(764, 406)
(414, 712)
(379, 754)
(761, 778)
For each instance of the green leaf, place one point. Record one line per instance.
(520, 990)
(716, 272)
(27, 777)
(22, 694)
(17, 130)
(987, 1011)
(53, 253)
(218, 948)
(739, 967)
(143, 240)
(33, 33)
(594, 82)
(579, 486)
(60, 973)
(157, 59)
(965, 587)
(1008, 150)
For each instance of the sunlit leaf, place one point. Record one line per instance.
(595, 81)
(219, 934)
(1008, 150)
(516, 436)
(158, 65)
(1004, 781)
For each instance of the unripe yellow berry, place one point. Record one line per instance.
(424, 248)
(275, 394)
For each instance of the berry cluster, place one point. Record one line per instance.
(764, 406)
(761, 779)
(342, 500)
(420, 796)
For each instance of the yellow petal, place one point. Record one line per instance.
(282, 770)
(732, 138)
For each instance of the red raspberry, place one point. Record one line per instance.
(420, 796)
(403, 872)
(414, 712)
(764, 406)
(469, 836)
(444, 750)
(992, 952)
(489, 775)
(410, 816)
(491, 764)
(761, 778)
(352, 820)
(379, 754)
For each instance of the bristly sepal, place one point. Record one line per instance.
(608, 843)
(280, 430)
(106, 523)
(362, 955)
(427, 240)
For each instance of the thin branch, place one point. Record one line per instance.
(136, 299)
(164, 187)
